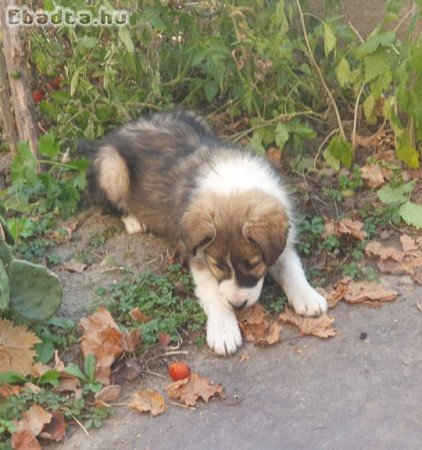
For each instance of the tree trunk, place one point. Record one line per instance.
(19, 81)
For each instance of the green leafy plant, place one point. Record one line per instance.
(165, 299)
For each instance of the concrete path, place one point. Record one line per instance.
(304, 393)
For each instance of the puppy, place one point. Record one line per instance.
(168, 174)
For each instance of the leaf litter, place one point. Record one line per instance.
(391, 260)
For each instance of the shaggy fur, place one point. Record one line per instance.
(168, 174)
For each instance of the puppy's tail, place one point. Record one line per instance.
(108, 179)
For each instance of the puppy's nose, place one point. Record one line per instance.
(241, 306)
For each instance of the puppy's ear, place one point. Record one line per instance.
(268, 230)
(198, 230)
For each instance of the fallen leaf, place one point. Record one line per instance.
(39, 369)
(25, 440)
(369, 293)
(55, 429)
(68, 384)
(191, 389)
(58, 363)
(273, 155)
(345, 226)
(321, 327)
(352, 227)
(31, 387)
(335, 296)
(108, 394)
(138, 316)
(73, 266)
(6, 390)
(257, 327)
(390, 266)
(374, 248)
(34, 420)
(148, 401)
(131, 340)
(103, 339)
(373, 174)
(411, 246)
(16, 352)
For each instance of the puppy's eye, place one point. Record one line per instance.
(249, 265)
(221, 265)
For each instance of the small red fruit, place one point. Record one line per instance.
(37, 96)
(179, 371)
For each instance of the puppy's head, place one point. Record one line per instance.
(239, 235)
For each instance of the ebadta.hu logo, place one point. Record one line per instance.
(23, 16)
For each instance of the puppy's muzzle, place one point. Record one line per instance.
(238, 306)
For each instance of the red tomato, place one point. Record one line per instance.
(179, 371)
(37, 96)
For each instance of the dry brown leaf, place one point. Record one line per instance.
(321, 327)
(131, 340)
(138, 316)
(373, 174)
(55, 429)
(409, 243)
(345, 226)
(31, 387)
(108, 394)
(390, 266)
(257, 327)
(190, 390)
(16, 352)
(148, 401)
(337, 294)
(101, 338)
(352, 227)
(273, 155)
(245, 357)
(374, 248)
(6, 390)
(25, 440)
(73, 266)
(68, 384)
(34, 420)
(39, 369)
(103, 374)
(369, 293)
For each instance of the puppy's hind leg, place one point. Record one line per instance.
(113, 179)
(289, 274)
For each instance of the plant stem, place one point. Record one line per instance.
(319, 72)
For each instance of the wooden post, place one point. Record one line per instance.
(19, 80)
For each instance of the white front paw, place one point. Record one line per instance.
(308, 302)
(223, 334)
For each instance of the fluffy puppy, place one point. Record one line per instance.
(167, 174)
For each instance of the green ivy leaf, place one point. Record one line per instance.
(343, 72)
(376, 64)
(411, 213)
(89, 366)
(341, 150)
(281, 135)
(395, 195)
(11, 378)
(47, 146)
(377, 40)
(407, 153)
(73, 369)
(256, 143)
(331, 160)
(329, 39)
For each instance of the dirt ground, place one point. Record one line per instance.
(360, 389)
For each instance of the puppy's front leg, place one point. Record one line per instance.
(289, 274)
(223, 334)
